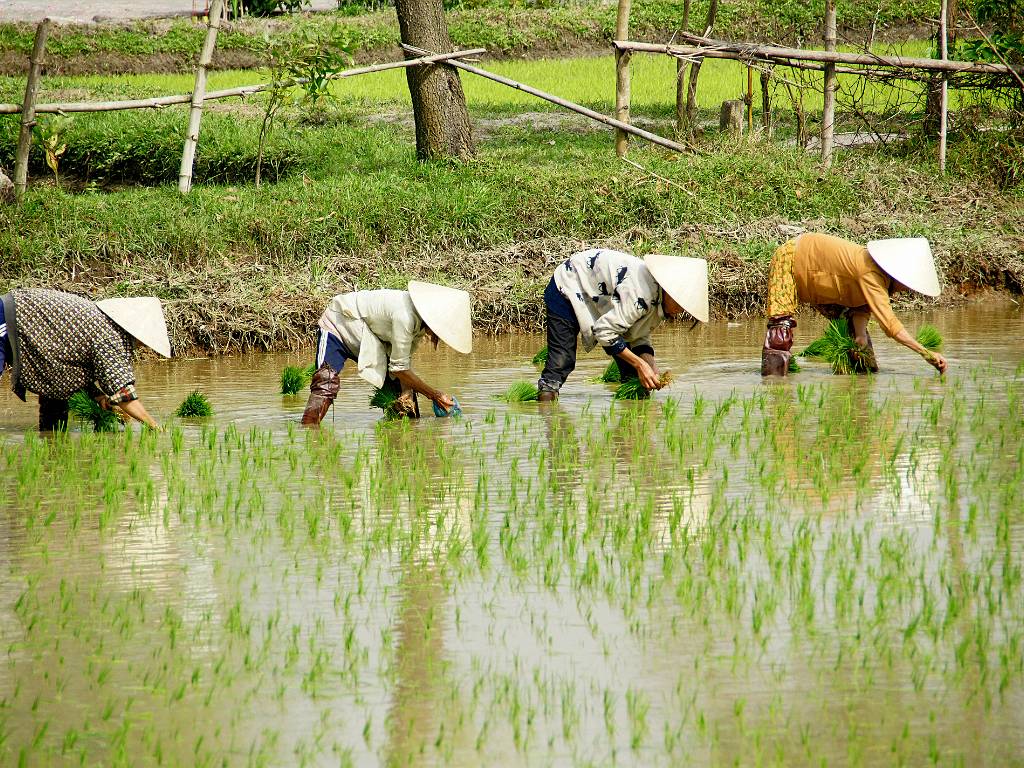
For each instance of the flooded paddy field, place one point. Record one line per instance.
(826, 570)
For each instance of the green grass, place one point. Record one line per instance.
(195, 405)
(295, 378)
(541, 357)
(632, 389)
(611, 374)
(835, 346)
(520, 392)
(88, 411)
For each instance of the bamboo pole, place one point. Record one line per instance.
(195, 115)
(828, 111)
(750, 102)
(245, 90)
(622, 84)
(681, 65)
(944, 93)
(28, 110)
(720, 49)
(610, 121)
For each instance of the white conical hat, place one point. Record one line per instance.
(683, 278)
(142, 317)
(907, 260)
(446, 312)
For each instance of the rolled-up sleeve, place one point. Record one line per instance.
(112, 368)
(876, 293)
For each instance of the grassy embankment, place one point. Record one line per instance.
(506, 28)
(349, 206)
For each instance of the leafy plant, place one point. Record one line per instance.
(520, 392)
(195, 405)
(87, 410)
(541, 357)
(49, 133)
(835, 346)
(611, 374)
(295, 378)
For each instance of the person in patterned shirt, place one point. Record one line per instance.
(57, 344)
(614, 299)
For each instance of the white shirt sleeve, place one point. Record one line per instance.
(405, 327)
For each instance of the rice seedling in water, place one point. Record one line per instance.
(541, 357)
(295, 378)
(929, 337)
(195, 405)
(632, 389)
(794, 366)
(520, 392)
(88, 410)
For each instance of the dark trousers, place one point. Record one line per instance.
(53, 415)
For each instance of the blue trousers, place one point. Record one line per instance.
(331, 350)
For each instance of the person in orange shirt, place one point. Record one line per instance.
(838, 278)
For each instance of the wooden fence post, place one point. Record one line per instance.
(828, 112)
(188, 155)
(28, 110)
(622, 96)
(681, 67)
(944, 94)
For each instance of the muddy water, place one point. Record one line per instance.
(827, 569)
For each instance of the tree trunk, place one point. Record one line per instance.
(438, 103)
(691, 90)
(681, 67)
(828, 111)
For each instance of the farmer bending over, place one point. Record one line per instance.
(58, 343)
(380, 330)
(841, 278)
(614, 299)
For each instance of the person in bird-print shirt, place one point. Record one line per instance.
(614, 299)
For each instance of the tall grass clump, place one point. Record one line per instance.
(520, 392)
(195, 405)
(295, 378)
(541, 357)
(611, 374)
(386, 399)
(88, 411)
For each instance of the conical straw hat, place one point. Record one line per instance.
(907, 260)
(446, 312)
(143, 318)
(683, 278)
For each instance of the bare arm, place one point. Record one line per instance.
(410, 380)
(934, 359)
(137, 411)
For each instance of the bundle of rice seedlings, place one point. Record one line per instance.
(611, 374)
(632, 389)
(385, 398)
(520, 392)
(794, 366)
(195, 405)
(87, 410)
(541, 357)
(929, 337)
(295, 378)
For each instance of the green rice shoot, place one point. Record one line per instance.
(541, 357)
(195, 405)
(611, 374)
(295, 378)
(520, 392)
(928, 336)
(385, 398)
(632, 389)
(87, 410)
(794, 366)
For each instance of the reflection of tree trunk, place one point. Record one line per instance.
(419, 656)
(438, 103)
(691, 91)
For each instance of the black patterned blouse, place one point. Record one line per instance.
(66, 344)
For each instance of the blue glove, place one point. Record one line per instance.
(455, 410)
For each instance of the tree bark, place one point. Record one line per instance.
(622, 84)
(443, 129)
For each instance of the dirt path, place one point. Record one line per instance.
(99, 10)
